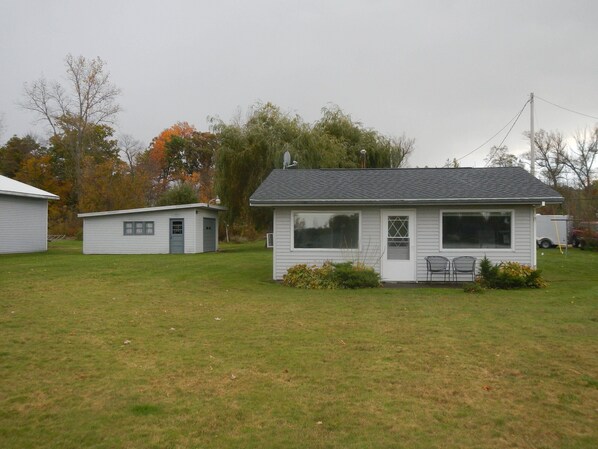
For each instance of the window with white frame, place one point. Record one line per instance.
(326, 230)
(477, 229)
(138, 228)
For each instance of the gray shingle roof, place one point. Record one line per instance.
(511, 185)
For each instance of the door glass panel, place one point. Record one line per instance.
(398, 237)
(177, 227)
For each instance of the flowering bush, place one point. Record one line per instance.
(329, 276)
(310, 276)
(509, 275)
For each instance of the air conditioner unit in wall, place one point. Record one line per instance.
(270, 240)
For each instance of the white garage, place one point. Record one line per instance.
(180, 229)
(23, 217)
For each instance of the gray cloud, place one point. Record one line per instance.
(449, 74)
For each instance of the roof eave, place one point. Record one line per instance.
(533, 201)
(142, 210)
(49, 196)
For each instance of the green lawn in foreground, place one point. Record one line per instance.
(222, 357)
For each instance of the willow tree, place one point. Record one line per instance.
(351, 137)
(250, 150)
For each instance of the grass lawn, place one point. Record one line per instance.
(194, 351)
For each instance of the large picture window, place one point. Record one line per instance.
(470, 230)
(326, 230)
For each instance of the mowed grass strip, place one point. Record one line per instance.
(177, 351)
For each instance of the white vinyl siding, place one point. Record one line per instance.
(285, 256)
(429, 238)
(23, 224)
(103, 234)
(428, 228)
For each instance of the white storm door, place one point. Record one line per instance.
(398, 245)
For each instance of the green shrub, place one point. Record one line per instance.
(349, 275)
(304, 276)
(181, 193)
(329, 276)
(509, 275)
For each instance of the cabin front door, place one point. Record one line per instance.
(398, 245)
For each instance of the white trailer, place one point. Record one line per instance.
(551, 230)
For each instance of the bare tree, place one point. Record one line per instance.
(87, 100)
(89, 97)
(581, 159)
(454, 163)
(400, 150)
(500, 157)
(550, 156)
(131, 148)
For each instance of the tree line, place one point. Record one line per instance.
(567, 165)
(92, 169)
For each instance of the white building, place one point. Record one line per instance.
(184, 228)
(393, 219)
(23, 217)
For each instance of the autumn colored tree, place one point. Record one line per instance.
(157, 152)
(74, 111)
(14, 153)
(181, 154)
(100, 146)
(192, 159)
(38, 170)
(109, 185)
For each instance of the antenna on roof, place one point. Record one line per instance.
(286, 161)
(362, 155)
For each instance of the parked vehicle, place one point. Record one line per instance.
(585, 234)
(551, 230)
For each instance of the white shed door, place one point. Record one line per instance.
(398, 245)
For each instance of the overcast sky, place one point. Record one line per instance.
(448, 73)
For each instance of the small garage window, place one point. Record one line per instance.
(138, 228)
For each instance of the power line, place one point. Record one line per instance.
(509, 131)
(515, 118)
(511, 128)
(567, 109)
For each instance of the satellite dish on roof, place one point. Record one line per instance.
(286, 159)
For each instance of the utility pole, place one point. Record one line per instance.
(532, 153)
